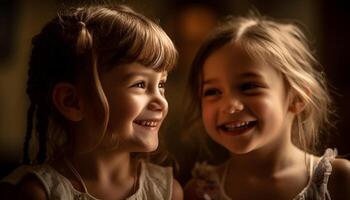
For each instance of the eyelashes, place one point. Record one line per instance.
(245, 88)
(142, 84)
(211, 92)
(162, 84)
(249, 86)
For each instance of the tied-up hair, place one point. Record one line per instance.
(283, 46)
(83, 42)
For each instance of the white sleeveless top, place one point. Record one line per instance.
(155, 182)
(211, 186)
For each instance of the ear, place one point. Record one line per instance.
(297, 105)
(67, 101)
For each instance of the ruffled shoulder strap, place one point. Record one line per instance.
(317, 188)
(324, 169)
(55, 185)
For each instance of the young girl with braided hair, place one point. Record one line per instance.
(96, 88)
(262, 95)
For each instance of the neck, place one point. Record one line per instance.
(103, 166)
(269, 160)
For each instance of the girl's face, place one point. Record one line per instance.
(137, 106)
(244, 104)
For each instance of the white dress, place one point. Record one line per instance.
(211, 187)
(155, 182)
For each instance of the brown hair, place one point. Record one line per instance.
(81, 42)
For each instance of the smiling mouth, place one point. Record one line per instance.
(147, 123)
(237, 128)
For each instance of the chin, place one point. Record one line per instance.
(148, 146)
(153, 148)
(239, 149)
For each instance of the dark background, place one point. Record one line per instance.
(187, 22)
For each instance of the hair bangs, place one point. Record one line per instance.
(152, 48)
(258, 52)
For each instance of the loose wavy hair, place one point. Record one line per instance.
(283, 46)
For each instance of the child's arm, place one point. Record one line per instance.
(190, 190)
(177, 191)
(339, 180)
(31, 188)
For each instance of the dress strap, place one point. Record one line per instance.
(223, 180)
(311, 166)
(76, 174)
(224, 174)
(321, 170)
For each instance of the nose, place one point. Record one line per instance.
(158, 103)
(232, 105)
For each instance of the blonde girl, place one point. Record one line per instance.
(96, 88)
(262, 95)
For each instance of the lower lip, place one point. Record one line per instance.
(148, 128)
(237, 132)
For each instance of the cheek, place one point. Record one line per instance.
(208, 115)
(123, 109)
(268, 110)
(261, 106)
(165, 106)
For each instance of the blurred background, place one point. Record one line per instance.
(187, 22)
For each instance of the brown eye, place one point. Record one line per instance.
(162, 84)
(211, 92)
(249, 86)
(140, 85)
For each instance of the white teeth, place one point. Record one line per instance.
(147, 123)
(237, 125)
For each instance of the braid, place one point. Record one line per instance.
(41, 127)
(53, 59)
(30, 114)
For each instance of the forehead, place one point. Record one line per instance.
(232, 62)
(228, 54)
(133, 69)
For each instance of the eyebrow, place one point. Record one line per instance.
(210, 81)
(250, 75)
(242, 76)
(133, 74)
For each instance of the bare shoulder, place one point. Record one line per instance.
(7, 191)
(339, 180)
(177, 191)
(31, 188)
(340, 172)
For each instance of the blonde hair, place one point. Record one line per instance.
(83, 42)
(284, 47)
